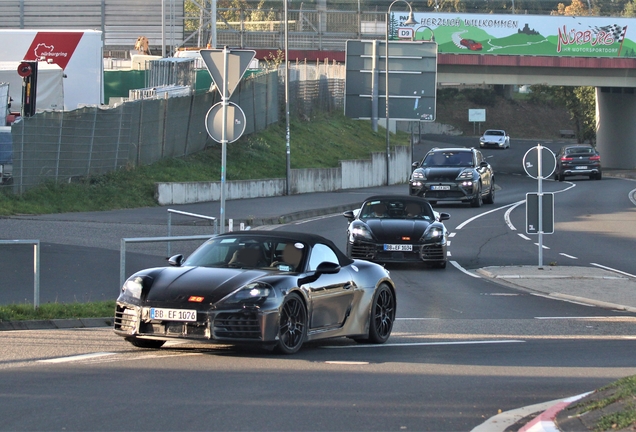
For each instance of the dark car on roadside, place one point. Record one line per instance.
(578, 160)
(395, 228)
(454, 174)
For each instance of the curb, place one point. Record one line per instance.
(56, 324)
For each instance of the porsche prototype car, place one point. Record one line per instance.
(397, 229)
(270, 288)
(495, 138)
(454, 174)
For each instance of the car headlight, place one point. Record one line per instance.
(418, 175)
(434, 233)
(465, 175)
(360, 231)
(251, 294)
(133, 286)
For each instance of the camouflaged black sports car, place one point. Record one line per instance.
(393, 228)
(270, 288)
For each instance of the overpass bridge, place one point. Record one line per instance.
(521, 50)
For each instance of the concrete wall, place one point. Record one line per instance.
(351, 174)
(615, 128)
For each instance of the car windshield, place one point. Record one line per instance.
(397, 209)
(249, 252)
(494, 132)
(448, 159)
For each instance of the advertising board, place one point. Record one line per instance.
(79, 53)
(531, 35)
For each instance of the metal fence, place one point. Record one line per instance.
(67, 146)
(64, 146)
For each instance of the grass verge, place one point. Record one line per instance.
(320, 142)
(25, 311)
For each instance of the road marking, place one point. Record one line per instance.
(507, 215)
(543, 246)
(354, 363)
(466, 222)
(76, 357)
(525, 237)
(462, 269)
(416, 319)
(614, 270)
(428, 344)
(567, 256)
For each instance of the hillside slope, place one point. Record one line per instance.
(520, 119)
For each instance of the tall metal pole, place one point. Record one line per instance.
(409, 21)
(386, 94)
(287, 146)
(540, 198)
(163, 28)
(224, 102)
(213, 24)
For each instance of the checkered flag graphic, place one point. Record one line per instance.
(617, 31)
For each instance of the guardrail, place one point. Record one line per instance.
(194, 215)
(124, 241)
(36, 266)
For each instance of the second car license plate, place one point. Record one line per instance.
(581, 167)
(398, 247)
(440, 187)
(173, 314)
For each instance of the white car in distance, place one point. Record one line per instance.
(494, 138)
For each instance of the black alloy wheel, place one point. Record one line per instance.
(293, 324)
(382, 315)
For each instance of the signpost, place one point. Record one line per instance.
(539, 162)
(412, 73)
(223, 121)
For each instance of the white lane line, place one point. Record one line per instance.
(543, 246)
(76, 358)
(348, 363)
(551, 297)
(632, 196)
(507, 215)
(568, 256)
(574, 318)
(416, 319)
(525, 237)
(460, 268)
(614, 270)
(452, 234)
(428, 344)
(467, 221)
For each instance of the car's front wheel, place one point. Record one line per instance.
(490, 198)
(478, 200)
(292, 324)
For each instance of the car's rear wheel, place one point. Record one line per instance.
(292, 325)
(382, 315)
(146, 343)
(478, 200)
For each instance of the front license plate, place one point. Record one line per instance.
(173, 314)
(398, 247)
(440, 187)
(581, 167)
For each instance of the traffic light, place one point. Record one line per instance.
(28, 70)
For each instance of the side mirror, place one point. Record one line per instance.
(483, 164)
(176, 260)
(444, 216)
(415, 164)
(327, 267)
(349, 215)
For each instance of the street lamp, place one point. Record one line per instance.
(409, 21)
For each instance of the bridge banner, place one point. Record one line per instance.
(531, 35)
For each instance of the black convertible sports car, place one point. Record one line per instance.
(270, 288)
(398, 229)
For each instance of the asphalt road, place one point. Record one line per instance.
(463, 348)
